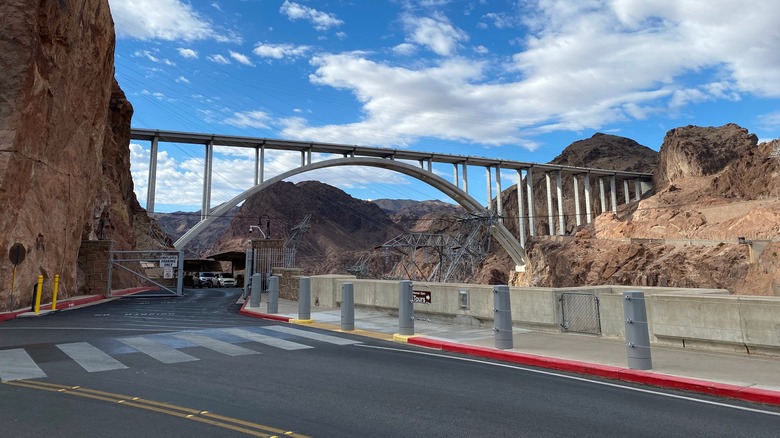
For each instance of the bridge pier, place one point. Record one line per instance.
(465, 179)
(613, 193)
(205, 210)
(499, 199)
(529, 187)
(559, 186)
(151, 186)
(576, 182)
(520, 200)
(550, 218)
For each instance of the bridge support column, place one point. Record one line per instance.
(575, 179)
(603, 195)
(430, 165)
(613, 193)
(550, 218)
(455, 175)
(645, 186)
(151, 187)
(520, 216)
(308, 156)
(588, 208)
(499, 200)
(529, 187)
(257, 165)
(206, 209)
(561, 218)
(262, 164)
(489, 187)
(465, 179)
(637, 190)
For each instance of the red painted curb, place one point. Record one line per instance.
(611, 372)
(262, 315)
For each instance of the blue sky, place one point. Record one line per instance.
(516, 80)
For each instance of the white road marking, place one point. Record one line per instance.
(215, 344)
(311, 335)
(90, 358)
(16, 364)
(161, 352)
(264, 339)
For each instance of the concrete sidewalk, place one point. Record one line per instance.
(748, 377)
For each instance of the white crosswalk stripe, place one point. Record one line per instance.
(90, 358)
(16, 364)
(312, 335)
(265, 339)
(161, 352)
(215, 344)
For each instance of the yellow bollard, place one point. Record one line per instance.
(38, 295)
(54, 292)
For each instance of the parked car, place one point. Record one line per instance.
(204, 279)
(225, 279)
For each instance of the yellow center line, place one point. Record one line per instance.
(202, 416)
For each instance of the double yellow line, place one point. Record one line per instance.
(207, 417)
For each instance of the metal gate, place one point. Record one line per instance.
(162, 272)
(580, 313)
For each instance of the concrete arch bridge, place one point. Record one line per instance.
(398, 161)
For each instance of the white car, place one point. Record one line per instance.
(225, 279)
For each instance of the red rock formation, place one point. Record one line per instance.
(64, 135)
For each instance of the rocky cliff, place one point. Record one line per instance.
(64, 135)
(686, 234)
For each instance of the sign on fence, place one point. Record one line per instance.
(421, 297)
(169, 261)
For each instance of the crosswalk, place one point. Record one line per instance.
(101, 355)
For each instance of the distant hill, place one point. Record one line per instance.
(177, 223)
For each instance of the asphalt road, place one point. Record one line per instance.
(200, 369)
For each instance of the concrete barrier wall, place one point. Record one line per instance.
(691, 318)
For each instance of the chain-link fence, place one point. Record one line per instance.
(580, 313)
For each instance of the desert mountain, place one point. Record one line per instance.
(177, 223)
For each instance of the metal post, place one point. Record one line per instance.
(502, 320)
(273, 294)
(577, 210)
(529, 186)
(54, 292)
(151, 186)
(405, 309)
(304, 298)
(347, 307)
(257, 288)
(180, 275)
(248, 271)
(637, 334)
(520, 207)
(38, 291)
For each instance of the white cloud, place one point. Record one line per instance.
(482, 50)
(436, 33)
(321, 20)
(280, 51)
(187, 53)
(219, 59)
(151, 57)
(405, 49)
(182, 80)
(250, 119)
(168, 20)
(770, 121)
(241, 58)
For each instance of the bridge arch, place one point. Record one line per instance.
(499, 231)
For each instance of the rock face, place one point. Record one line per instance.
(700, 151)
(686, 234)
(340, 224)
(64, 135)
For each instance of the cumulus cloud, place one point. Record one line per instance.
(280, 51)
(241, 58)
(168, 20)
(219, 59)
(321, 20)
(250, 119)
(435, 32)
(152, 57)
(187, 53)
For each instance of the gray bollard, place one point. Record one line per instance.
(257, 287)
(273, 294)
(502, 319)
(637, 334)
(247, 272)
(347, 307)
(304, 298)
(405, 309)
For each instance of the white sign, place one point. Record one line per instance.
(169, 261)
(167, 272)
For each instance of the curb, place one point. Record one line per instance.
(611, 372)
(270, 316)
(68, 304)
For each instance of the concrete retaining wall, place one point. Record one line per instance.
(691, 318)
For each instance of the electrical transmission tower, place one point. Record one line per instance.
(291, 245)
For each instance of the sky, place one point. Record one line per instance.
(517, 80)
